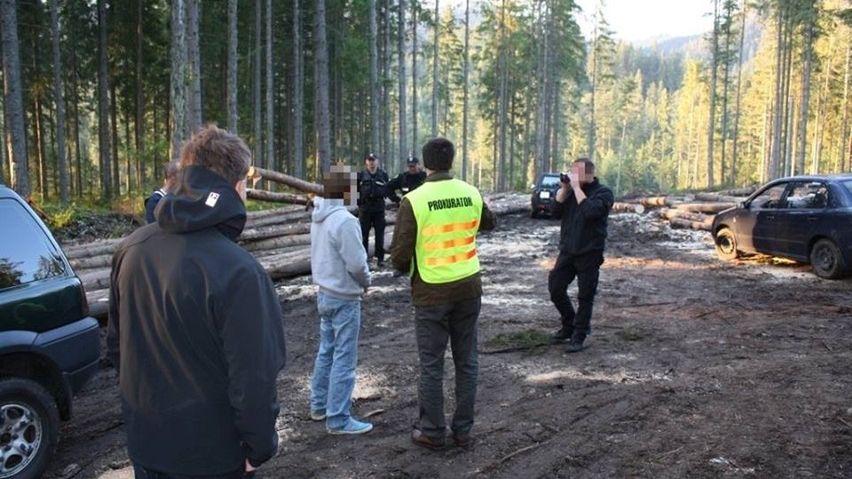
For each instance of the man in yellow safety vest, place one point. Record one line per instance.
(435, 243)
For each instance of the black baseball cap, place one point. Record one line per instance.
(371, 156)
(412, 161)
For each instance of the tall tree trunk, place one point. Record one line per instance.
(195, 114)
(725, 87)
(739, 92)
(298, 92)
(846, 152)
(38, 130)
(270, 105)
(806, 91)
(59, 98)
(104, 132)
(13, 104)
(321, 82)
(178, 90)
(711, 127)
(404, 152)
(435, 70)
(257, 108)
(466, 87)
(775, 150)
(75, 103)
(232, 64)
(415, 20)
(385, 84)
(113, 106)
(139, 124)
(503, 99)
(543, 80)
(788, 70)
(374, 79)
(595, 67)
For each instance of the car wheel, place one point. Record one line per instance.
(726, 244)
(826, 259)
(533, 213)
(29, 428)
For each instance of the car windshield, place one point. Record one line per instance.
(549, 181)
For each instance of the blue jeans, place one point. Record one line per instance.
(334, 369)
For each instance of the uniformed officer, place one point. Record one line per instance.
(435, 241)
(372, 190)
(406, 181)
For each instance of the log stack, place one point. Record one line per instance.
(279, 238)
(694, 211)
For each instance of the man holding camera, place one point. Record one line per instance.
(583, 205)
(372, 190)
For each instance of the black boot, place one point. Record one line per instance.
(561, 336)
(576, 343)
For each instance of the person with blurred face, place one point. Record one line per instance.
(583, 205)
(372, 190)
(339, 268)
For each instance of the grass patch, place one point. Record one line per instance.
(531, 340)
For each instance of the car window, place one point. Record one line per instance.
(549, 181)
(848, 185)
(807, 195)
(26, 254)
(770, 198)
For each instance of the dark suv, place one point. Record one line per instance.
(544, 194)
(49, 346)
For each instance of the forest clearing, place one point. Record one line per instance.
(694, 368)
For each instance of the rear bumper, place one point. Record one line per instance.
(76, 350)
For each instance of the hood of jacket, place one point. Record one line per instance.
(324, 207)
(202, 200)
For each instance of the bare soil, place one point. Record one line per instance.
(695, 368)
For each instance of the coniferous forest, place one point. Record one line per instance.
(99, 94)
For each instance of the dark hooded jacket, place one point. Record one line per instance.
(195, 326)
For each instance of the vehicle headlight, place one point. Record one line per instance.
(544, 195)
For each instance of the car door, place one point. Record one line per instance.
(800, 217)
(756, 227)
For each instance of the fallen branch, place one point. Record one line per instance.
(256, 173)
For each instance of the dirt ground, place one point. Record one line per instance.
(695, 368)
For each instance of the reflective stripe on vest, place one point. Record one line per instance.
(447, 213)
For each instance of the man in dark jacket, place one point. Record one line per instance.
(195, 326)
(583, 205)
(406, 181)
(372, 190)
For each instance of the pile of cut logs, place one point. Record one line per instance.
(279, 238)
(695, 211)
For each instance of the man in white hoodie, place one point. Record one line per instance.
(339, 268)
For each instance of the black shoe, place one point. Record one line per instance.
(380, 264)
(576, 344)
(560, 336)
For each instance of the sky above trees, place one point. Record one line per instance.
(641, 20)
